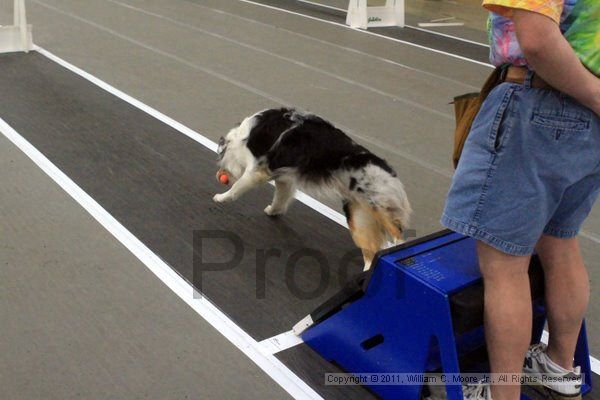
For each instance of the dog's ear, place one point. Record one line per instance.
(222, 147)
(221, 141)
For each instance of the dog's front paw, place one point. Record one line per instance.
(271, 211)
(221, 198)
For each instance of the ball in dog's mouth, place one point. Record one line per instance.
(223, 177)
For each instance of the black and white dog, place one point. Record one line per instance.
(303, 151)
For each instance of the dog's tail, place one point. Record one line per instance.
(375, 184)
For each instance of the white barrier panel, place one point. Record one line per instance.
(16, 37)
(360, 15)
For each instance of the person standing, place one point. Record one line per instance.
(528, 177)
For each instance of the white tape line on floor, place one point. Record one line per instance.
(281, 342)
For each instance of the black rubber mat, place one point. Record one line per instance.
(159, 184)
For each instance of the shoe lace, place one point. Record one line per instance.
(477, 391)
(537, 350)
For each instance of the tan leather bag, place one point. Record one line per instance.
(466, 108)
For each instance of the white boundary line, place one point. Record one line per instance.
(448, 36)
(134, 102)
(439, 24)
(595, 365)
(281, 342)
(369, 33)
(250, 347)
(314, 3)
(408, 26)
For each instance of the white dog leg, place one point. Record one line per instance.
(367, 264)
(250, 179)
(284, 194)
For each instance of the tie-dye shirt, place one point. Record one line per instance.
(579, 21)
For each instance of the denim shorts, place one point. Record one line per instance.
(530, 166)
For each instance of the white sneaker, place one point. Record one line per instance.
(480, 391)
(538, 362)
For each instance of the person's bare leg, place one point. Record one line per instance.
(567, 295)
(507, 315)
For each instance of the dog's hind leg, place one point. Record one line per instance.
(365, 230)
(284, 194)
(390, 223)
(251, 178)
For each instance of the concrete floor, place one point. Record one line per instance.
(209, 63)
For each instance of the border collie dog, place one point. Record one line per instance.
(303, 151)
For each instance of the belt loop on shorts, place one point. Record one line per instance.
(528, 82)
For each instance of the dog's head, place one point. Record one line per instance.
(233, 156)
